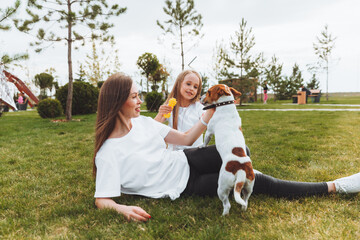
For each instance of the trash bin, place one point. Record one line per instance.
(301, 97)
(294, 98)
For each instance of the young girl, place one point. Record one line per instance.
(130, 157)
(188, 110)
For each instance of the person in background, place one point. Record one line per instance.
(265, 92)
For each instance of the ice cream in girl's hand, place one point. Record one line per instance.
(172, 103)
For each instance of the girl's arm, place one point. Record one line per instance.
(164, 109)
(131, 213)
(189, 137)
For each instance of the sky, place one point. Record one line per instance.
(284, 28)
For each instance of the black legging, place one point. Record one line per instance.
(205, 164)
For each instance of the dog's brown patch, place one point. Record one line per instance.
(239, 151)
(239, 187)
(234, 166)
(215, 92)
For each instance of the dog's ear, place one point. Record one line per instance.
(221, 91)
(235, 92)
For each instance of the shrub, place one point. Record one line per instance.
(85, 97)
(153, 101)
(100, 83)
(49, 108)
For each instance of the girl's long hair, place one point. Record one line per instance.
(113, 94)
(175, 93)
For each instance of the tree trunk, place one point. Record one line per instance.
(147, 83)
(327, 81)
(70, 85)
(182, 49)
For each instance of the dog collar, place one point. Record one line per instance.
(219, 104)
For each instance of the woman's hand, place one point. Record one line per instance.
(131, 213)
(163, 109)
(134, 213)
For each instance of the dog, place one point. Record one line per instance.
(236, 171)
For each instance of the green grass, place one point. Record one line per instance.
(47, 190)
(336, 101)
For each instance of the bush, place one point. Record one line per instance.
(50, 108)
(85, 97)
(153, 101)
(100, 83)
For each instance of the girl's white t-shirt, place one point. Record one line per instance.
(139, 163)
(187, 117)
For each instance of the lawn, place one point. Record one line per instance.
(47, 189)
(335, 102)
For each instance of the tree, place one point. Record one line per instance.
(5, 15)
(160, 75)
(184, 22)
(81, 74)
(314, 83)
(205, 83)
(44, 81)
(323, 48)
(295, 81)
(98, 68)
(273, 76)
(240, 45)
(238, 63)
(78, 17)
(148, 63)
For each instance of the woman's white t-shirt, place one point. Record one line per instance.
(187, 117)
(139, 163)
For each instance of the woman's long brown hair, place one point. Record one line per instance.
(113, 94)
(175, 93)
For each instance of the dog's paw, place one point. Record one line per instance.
(243, 208)
(226, 211)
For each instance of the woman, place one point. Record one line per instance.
(265, 92)
(131, 157)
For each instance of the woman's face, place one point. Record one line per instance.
(189, 87)
(131, 107)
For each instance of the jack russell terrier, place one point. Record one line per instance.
(236, 171)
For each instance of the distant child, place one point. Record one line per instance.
(188, 110)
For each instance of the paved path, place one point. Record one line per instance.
(313, 109)
(334, 105)
(308, 109)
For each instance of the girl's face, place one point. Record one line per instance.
(189, 87)
(131, 107)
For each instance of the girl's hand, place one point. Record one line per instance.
(208, 114)
(165, 109)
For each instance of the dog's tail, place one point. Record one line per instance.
(240, 178)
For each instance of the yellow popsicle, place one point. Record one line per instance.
(172, 103)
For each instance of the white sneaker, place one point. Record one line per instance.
(350, 184)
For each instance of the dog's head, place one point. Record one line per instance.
(218, 93)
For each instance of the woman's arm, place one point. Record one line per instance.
(189, 137)
(131, 213)
(163, 109)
